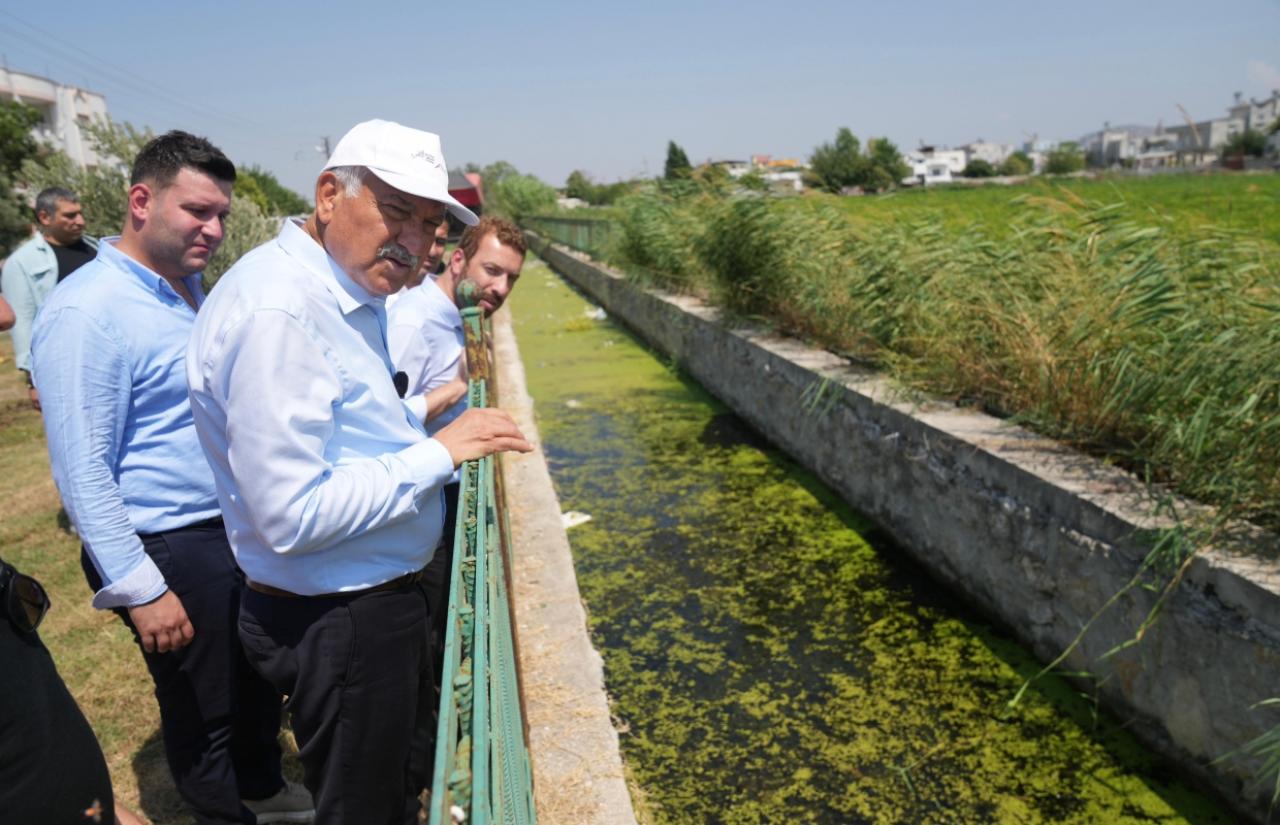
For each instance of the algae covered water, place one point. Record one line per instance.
(770, 662)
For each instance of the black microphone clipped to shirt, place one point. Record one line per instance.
(401, 380)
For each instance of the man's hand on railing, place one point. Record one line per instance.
(481, 432)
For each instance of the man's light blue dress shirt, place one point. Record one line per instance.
(108, 353)
(327, 481)
(424, 331)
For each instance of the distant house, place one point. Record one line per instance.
(735, 168)
(1258, 115)
(993, 153)
(785, 179)
(954, 159)
(63, 111)
(1198, 144)
(782, 174)
(1115, 145)
(1158, 151)
(928, 170)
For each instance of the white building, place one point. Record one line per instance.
(1199, 143)
(993, 153)
(735, 168)
(63, 110)
(1258, 115)
(954, 159)
(785, 180)
(927, 170)
(1115, 145)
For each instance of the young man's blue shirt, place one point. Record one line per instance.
(109, 352)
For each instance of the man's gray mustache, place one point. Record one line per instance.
(399, 254)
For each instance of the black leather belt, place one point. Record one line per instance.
(395, 584)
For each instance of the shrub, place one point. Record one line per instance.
(103, 192)
(979, 168)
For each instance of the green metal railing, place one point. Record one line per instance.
(589, 235)
(482, 769)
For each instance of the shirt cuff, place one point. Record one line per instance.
(429, 463)
(417, 407)
(144, 583)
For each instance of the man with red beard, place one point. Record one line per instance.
(424, 334)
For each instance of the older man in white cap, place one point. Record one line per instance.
(330, 487)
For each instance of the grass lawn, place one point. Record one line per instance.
(1248, 204)
(94, 651)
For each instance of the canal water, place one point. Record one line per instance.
(773, 660)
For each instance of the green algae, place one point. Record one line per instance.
(769, 662)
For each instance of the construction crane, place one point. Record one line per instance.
(1191, 124)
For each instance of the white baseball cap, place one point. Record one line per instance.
(408, 159)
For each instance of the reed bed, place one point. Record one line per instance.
(1149, 337)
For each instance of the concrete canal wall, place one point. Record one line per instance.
(1037, 536)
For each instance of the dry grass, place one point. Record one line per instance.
(94, 652)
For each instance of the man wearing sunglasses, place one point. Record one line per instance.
(52, 770)
(109, 355)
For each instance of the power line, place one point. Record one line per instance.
(118, 75)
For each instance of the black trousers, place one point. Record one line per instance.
(436, 578)
(358, 673)
(52, 771)
(220, 720)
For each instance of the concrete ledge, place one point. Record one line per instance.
(1037, 536)
(577, 765)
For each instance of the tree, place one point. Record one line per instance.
(833, 166)
(580, 186)
(713, 178)
(246, 186)
(885, 156)
(754, 181)
(513, 195)
(613, 192)
(979, 168)
(16, 141)
(17, 146)
(1249, 142)
(1067, 158)
(677, 166)
(1017, 164)
(281, 201)
(103, 191)
(497, 171)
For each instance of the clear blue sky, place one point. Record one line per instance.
(556, 86)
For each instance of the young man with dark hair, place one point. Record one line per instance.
(59, 248)
(109, 351)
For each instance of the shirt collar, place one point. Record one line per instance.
(441, 298)
(306, 250)
(108, 253)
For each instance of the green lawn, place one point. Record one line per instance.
(1249, 204)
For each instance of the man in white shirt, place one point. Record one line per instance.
(427, 342)
(330, 487)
